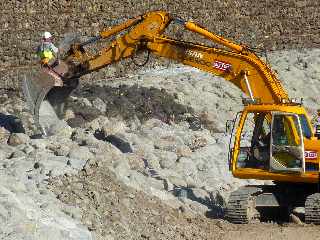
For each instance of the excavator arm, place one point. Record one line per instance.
(234, 62)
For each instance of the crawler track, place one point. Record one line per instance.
(312, 208)
(241, 205)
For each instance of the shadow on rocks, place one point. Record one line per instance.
(129, 102)
(214, 204)
(118, 141)
(11, 123)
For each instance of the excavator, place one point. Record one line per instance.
(271, 138)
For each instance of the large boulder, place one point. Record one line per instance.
(18, 139)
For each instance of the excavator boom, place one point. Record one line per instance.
(236, 63)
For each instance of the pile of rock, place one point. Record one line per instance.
(180, 163)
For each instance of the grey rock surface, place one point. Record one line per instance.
(18, 138)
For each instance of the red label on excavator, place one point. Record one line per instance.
(223, 66)
(310, 155)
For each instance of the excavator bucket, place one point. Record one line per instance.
(47, 90)
(46, 95)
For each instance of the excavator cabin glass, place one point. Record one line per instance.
(254, 142)
(270, 141)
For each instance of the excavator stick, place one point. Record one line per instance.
(46, 94)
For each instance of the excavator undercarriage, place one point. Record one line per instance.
(273, 203)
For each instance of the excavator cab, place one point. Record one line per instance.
(269, 140)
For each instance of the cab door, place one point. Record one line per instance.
(286, 145)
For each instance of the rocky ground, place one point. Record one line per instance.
(143, 157)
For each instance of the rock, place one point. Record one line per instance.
(191, 183)
(82, 153)
(166, 159)
(77, 163)
(108, 237)
(197, 207)
(39, 143)
(153, 122)
(18, 154)
(4, 135)
(99, 104)
(69, 114)
(295, 219)
(97, 123)
(200, 195)
(142, 145)
(106, 151)
(135, 162)
(113, 127)
(122, 169)
(147, 184)
(31, 214)
(6, 151)
(299, 210)
(134, 124)
(165, 145)
(62, 150)
(151, 161)
(18, 138)
(202, 166)
(183, 151)
(28, 149)
(197, 142)
(61, 130)
(3, 155)
(84, 102)
(168, 186)
(210, 121)
(53, 165)
(85, 138)
(72, 211)
(177, 181)
(194, 123)
(186, 166)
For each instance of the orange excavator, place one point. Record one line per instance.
(271, 138)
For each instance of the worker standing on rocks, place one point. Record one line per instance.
(48, 54)
(47, 51)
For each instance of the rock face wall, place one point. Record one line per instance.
(270, 24)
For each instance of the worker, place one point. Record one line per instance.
(48, 54)
(46, 50)
(317, 124)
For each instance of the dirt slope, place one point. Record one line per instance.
(113, 211)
